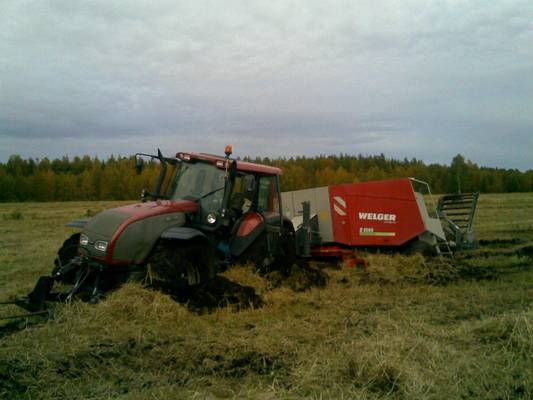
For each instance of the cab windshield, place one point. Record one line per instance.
(197, 181)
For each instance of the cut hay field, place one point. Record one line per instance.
(406, 328)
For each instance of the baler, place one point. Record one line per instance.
(388, 214)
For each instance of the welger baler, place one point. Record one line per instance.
(388, 213)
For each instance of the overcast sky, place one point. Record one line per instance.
(424, 79)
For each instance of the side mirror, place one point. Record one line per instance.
(139, 165)
(249, 183)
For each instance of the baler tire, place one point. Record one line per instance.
(65, 254)
(177, 266)
(418, 246)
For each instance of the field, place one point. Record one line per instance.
(406, 328)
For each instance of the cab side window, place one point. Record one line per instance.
(241, 198)
(267, 199)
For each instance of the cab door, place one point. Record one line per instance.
(268, 205)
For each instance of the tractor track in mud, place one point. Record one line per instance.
(502, 242)
(222, 292)
(493, 248)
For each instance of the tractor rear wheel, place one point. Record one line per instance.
(288, 246)
(257, 253)
(176, 266)
(65, 254)
(284, 258)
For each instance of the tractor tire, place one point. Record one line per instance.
(65, 254)
(175, 267)
(256, 253)
(288, 249)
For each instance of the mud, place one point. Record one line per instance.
(513, 247)
(501, 242)
(220, 292)
(299, 277)
(476, 273)
(494, 249)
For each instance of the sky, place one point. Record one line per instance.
(422, 79)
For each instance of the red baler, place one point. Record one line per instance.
(388, 213)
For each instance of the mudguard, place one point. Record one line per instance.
(78, 223)
(247, 230)
(182, 233)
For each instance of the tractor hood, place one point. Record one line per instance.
(128, 233)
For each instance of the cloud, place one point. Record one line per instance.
(411, 79)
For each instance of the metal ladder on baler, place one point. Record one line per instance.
(443, 248)
(458, 211)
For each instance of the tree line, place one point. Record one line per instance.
(86, 178)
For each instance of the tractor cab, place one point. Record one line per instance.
(225, 189)
(238, 202)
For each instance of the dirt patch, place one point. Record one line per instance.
(223, 292)
(501, 242)
(218, 293)
(299, 277)
(499, 251)
(466, 271)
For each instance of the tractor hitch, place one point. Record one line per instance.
(35, 301)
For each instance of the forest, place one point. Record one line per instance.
(90, 178)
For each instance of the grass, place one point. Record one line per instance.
(407, 328)
(505, 217)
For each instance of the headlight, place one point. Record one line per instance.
(100, 245)
(211, 218)
(84, 240)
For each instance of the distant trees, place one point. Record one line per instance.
(89, 178)
(461, 175)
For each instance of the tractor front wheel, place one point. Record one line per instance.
(65, 254)
(176, 266)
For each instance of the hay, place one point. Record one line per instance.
(412, 269)
(300, 276)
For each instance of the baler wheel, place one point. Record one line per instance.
(175, 266)
(65, 254)
(418, 246)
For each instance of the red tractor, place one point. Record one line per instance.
(206, 212)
